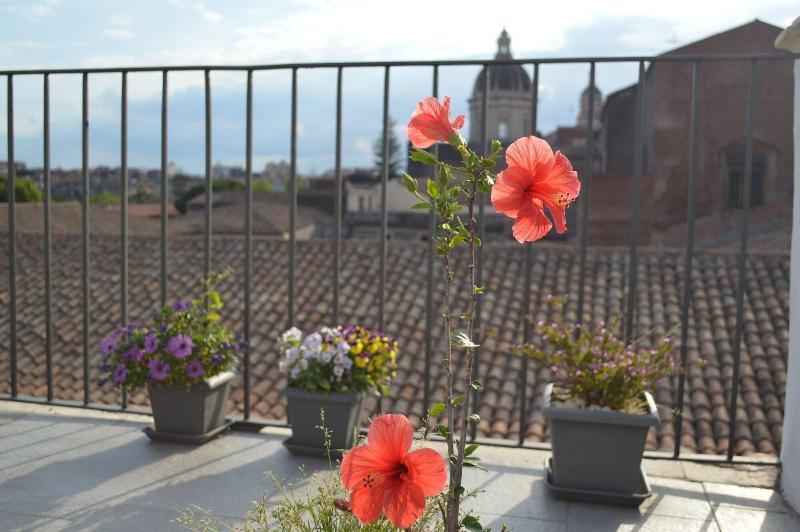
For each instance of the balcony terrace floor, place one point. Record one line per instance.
(71, 469)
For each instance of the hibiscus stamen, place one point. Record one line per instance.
(371, 480)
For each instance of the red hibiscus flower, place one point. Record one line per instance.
(535, 178)
(430, 123)
(384, 476)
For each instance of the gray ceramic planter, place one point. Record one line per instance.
(193, 412)
(342, 413)
(597, 450)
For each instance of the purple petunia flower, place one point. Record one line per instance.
(120, 374)
(150, 343)
(133, 353)
(108, 345)
(181, 306)
(217, 359)
(180, 346)
(194, 369)
(158, 370)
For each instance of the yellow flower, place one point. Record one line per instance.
(356, 349)
(394, 374)
(393, 355)
(373, 347)
(378, 362)
(360, 362)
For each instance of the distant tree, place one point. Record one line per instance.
(262, 185)
(396, 157)
(105, 198)
(25, 190)
(300, 183)
(219, 185)
(142, 195)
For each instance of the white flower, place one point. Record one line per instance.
(345, 362)
(295, 372)
(338, 371)
(282, 365)
(343, 348)
(292, 352)
(302, 364)
(326, 356)
(292, 334)
(313, 341)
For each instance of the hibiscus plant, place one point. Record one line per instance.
(535, 178)
(183, 345)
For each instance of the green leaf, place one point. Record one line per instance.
(422, 205)
(433, 189)
(461, 339)
(477, 385)
(410, 183)
(443, 431)
(437, 409)
(471, 449)
(424, 157)
(444, 176)
(474, 419)
(459, 491)
(473, 462)
(471, 523)
(477, 290)
(457, 400)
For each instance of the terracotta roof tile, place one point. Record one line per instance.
(706, 423)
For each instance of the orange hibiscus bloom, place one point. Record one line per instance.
(430, 123)
(384, 477)
(535, 178)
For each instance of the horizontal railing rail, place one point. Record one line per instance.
(695, 60)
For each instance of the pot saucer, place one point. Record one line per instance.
(310, 450)
(642, 493)
(192, 439)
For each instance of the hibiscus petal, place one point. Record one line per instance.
(367, 503)
(361, 462)
(530, 153)
(508, 192)
(403, 502)
(390, 435)
(557, 212)
(426, 469)
(532, 224)
(560, 179)
(458, 123)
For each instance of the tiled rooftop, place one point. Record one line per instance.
(555, 270)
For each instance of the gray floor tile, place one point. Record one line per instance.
(739, 519)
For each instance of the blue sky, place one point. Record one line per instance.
(75, 33)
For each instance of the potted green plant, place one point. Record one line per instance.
(599, 407)
(328, 374)
(184, 358)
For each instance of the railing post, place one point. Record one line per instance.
(526, 297)
(85, 269)
(164, 190)
(248, 241)
(293, 198)
(337, 238)
(748, 175)
(48, 244)
(430, 309)
(12, 240)
(585, 198)
(694, 127)
(209, 192)
(123, 222)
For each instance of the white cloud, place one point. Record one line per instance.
(208, 14)
(119, 33)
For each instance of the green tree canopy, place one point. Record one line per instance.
(397, 157)
(25, 190)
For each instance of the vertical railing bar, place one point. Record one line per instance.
(430, 311)
(586, 194)
(476, 396)
(123, 222)
(209, 178)
(337, 238)
(526, 301)
(687, 265)
(12, 238)
(48, 244)
(85, 234)
(164, 117)
(384, 232)
(748, 175)
(248, 241)
(293, 197)
(384, 217)
(633, 256)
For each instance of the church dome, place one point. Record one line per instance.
(503, 77)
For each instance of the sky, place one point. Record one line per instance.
(115, 33)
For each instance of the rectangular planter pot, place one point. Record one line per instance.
(342, 413)
(598, 450)
(195, 411)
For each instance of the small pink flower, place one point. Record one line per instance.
(430, 123)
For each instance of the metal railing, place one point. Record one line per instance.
(696, 62)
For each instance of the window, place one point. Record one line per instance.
(502, 129)
(361, 204)
(735, 162)
(369, 204)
